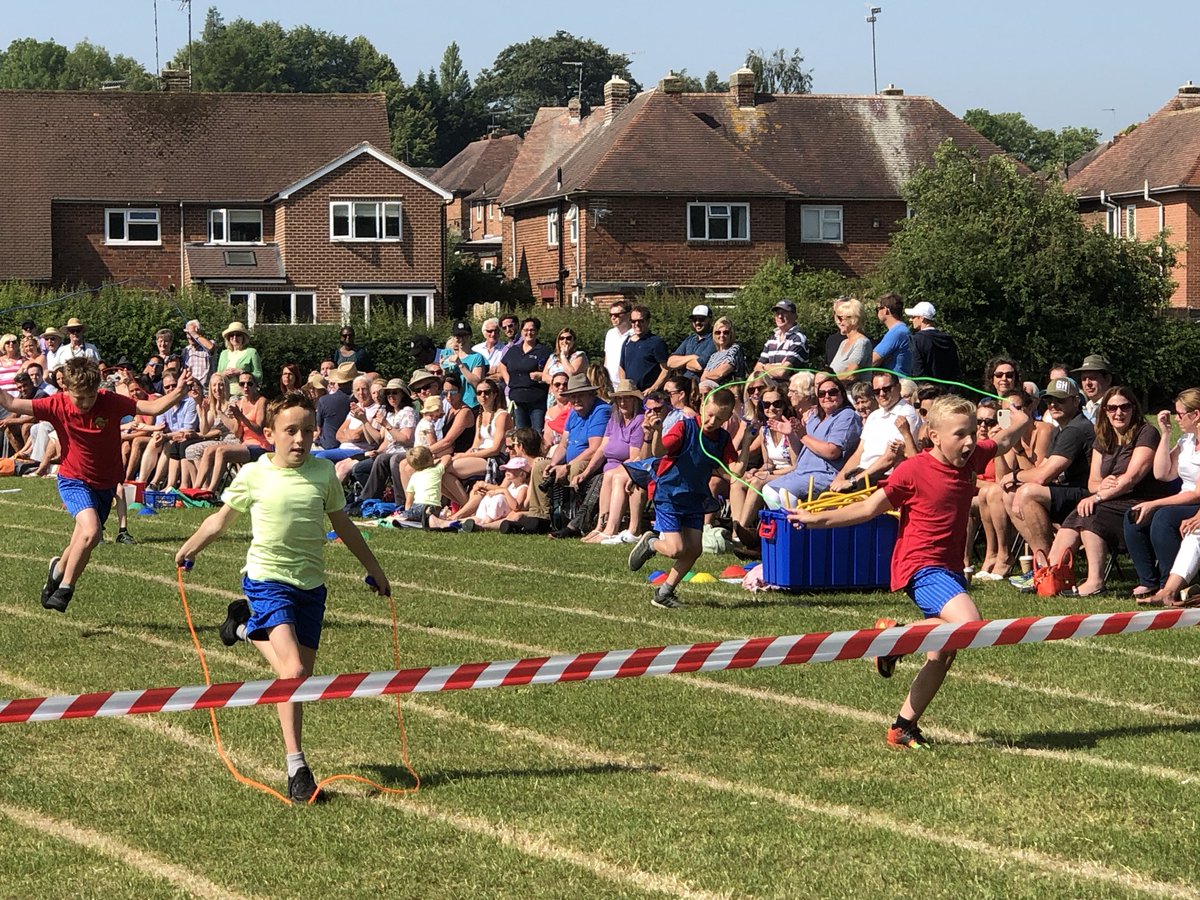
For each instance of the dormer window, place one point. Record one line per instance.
(235, 226)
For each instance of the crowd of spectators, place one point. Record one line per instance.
(515, 434)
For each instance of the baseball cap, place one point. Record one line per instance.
(702, 310)
(517, 462)
(1061, 389)
(785, 305)
(460, 328)
(924, 309)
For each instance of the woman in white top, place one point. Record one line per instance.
(566, 357)
(854, 352)
(779, 453)
(1153, 528)
(491, 424)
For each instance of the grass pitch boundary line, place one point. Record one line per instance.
(125, 854)
(1047, 862)
(531, 844)
(542, 847)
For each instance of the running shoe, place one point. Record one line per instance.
(642, 551)
(59, 599)
(238, 614)
(886, 665)
(302, 786)
(52, 581)
(124, 537)
(666, 599)
(1023, 582)
(909, 738)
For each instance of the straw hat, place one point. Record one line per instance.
(420, 376)
(317, 380)
(626, 388)
(52, 332)
(431, 404)
(395, 384)
(74, 323)
(235, 328)
(344, 373)
(579, 384)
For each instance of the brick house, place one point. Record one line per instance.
(282, 202)
(1146, 181)
(696, 191)
(474, 178)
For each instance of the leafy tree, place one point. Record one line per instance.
(30, 64)
(1042, 149)
(776, 279)
(1011, 267)
(713, 84)
(414, 123)
(778, 73)
(461, 116)
(527, 76)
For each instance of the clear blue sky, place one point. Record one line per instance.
(1060, 62)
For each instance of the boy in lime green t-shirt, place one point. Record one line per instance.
(288, 495)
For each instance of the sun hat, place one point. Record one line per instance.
(420, 376)
(235, 328)
(579, 384)
(52, 332)
(431, 404)
(74, 323)
(317, 380)
(1094, 362)
(626, 388)
(517, 463)
(924, 309)
(343, 374)
(395, 384)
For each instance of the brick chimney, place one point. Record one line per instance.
(573, 109)
(616, 97)
(175, 80)
(671, 84)
(741, 86)
(892, 91)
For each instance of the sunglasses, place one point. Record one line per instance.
(452, 392)
(637, 321)
(986, 423)
(616, 313)
(74, 331)
(829, 393)
(489, 331)
(511, 326)
(699, 319)
(651, 408)
(999, 374)
(565, 337)
(558, 384)
(246, 383)
(1118, 407)
(772, 404)
(880, 391)
(484, 393)
(722, 331)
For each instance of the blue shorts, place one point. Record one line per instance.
(932, 587)
(275, 603)
(79, 495)
(670, 519)
(255, 451)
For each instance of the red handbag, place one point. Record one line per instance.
(1051, 580)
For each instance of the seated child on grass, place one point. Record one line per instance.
(491, 504)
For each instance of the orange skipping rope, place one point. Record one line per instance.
(332, 778)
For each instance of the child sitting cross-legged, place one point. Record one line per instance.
(423, 495)
(491, 504)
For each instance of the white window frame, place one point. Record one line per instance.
(718, 211)
(365, 296)
(1112, 220)
(573, 223)
(251, 301)
(126, 213)
(491, 210)
(478, 211)
(553, 232)
(1130, 223)
(826, 215)
(381, 216)
(224, 216)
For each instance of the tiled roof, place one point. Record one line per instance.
(553, 133)
(1164, 151)
(821, 145)
(249, 262)
(478, 164)
(161, 147)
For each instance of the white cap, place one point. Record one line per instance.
(924, 309)
(702, 310)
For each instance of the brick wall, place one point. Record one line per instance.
(316, 262)
(867, 229)
(536, 260)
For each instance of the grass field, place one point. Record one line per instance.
(1061, 770)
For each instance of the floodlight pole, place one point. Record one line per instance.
(875, 10)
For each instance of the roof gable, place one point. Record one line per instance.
(1162, 152)
(360, 150)
(479, 164)
(117, 146)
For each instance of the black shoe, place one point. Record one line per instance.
(59, 599)
(886, 665)
(642, 551)
(468, 525)
(302, 786)
(52, 581)
(567, 531)
(546, 484)
(238, 614)
(666, 599)
(124, 537)
(508, 526)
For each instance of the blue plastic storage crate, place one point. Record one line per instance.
(814, 559)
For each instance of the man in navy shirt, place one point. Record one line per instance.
(644, 356)
(692, 354)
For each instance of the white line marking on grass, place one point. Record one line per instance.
(1150, 709)
(147, 864)
(538, 846)
(864, 716)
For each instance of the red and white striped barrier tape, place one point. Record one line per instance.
(741, 653)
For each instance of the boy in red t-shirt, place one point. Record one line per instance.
(88, 424)
(933, 492)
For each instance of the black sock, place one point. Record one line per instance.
(123, 530)
(903, 723)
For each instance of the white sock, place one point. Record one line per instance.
(241, 632)
(295, 762)
(58, 569)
